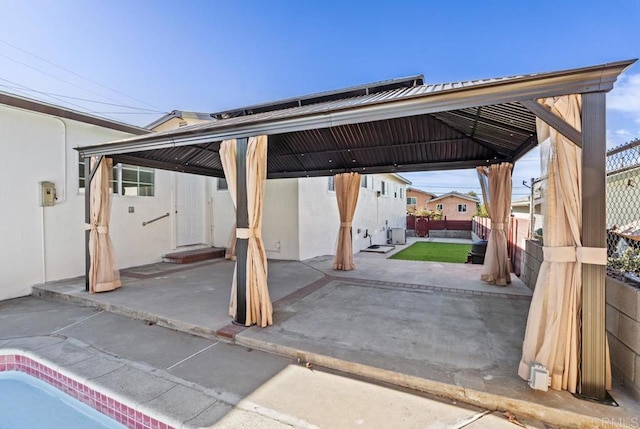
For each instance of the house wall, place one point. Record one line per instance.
(320, 220)
(421, 200)
(40, 148)
(279, 223)
(450, 207)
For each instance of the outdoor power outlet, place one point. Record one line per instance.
(131, 209)
(539, 377)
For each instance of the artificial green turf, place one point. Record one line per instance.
(435, 252)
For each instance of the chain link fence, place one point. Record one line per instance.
(623, 211)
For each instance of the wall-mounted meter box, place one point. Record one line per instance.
(47, 194)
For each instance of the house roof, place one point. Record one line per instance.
(402, 179)
(180, 114)
(421, 191)
(414, 127)
(38, 106)
(455, 194)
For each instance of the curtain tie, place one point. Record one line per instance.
(498, 226)
(246, 233)
(345, 224)
(584, 255)
(101, 229)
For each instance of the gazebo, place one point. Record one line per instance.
(405, 125)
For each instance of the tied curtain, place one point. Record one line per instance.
(258, 305)
(495, 181)
(103, 270)
(347, 189)
(552, 335)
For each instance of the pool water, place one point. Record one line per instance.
(26, 402)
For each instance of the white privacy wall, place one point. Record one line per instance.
(38, 148)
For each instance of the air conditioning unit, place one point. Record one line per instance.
(398, 236)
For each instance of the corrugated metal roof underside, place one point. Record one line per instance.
(445, 140)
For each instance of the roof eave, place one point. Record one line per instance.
(37, 106)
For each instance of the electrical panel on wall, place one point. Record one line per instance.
(47, 194)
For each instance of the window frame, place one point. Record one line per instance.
(415, 201)
(463, 205)
(219, 182)
(331, 184)
(440, 207)
(117, 182)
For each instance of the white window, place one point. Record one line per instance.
(127, 180)
(439, 207)
(222, 184)
(331, 184)
(401, 192)
(412, 200)
(363, 181)
(462, 208)
(383, 187)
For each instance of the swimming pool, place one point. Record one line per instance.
(27, 402)
(21, 395)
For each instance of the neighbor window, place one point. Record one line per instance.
(331, 184)
(363, 181)
(412, 200)
(222, 184)
(462, 208)
(439, 207)
(383, 187)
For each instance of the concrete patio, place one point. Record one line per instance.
(431, 327)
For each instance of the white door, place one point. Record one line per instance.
(190, 208)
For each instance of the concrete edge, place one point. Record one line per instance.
(175, 325)
(531, 410)
(94, 382)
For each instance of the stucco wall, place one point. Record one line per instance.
(279, 222)
(36, 148)
(375, 214)
(421, 199)
(450, 208)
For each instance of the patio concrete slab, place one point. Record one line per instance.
(371, 266)
(136, 340)
(309, 395)
(426, 334)
(192, 298)
(182, 403)
(231, 370)
(16, 317)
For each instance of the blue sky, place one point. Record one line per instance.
(215, 55)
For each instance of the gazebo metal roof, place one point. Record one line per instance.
(393, 126)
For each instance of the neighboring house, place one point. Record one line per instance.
(177, 119)
(454, 206)
(417, 199)
(301, 219)
(47, 243)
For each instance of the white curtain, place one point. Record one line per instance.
(258, 306)
(104, 275)
(495, 181)
(552, 336)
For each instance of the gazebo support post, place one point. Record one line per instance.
(593, 368)
(89, 173)
(242, 221)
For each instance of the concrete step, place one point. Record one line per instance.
(197, 255)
